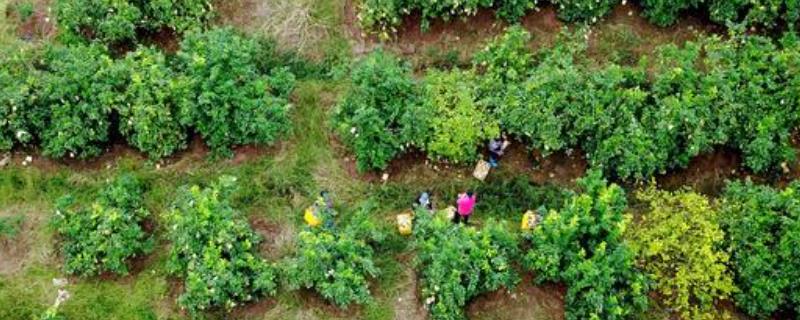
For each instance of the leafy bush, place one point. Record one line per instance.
(766, 13)
(506, 197)
(458, 123)
(679, 244)
(683, 121)
(755, 79)
(215, 251)
(561, 104)
(379, 116)
(504, 62)
(582, 246)
(106, 236)
(608, 123)
(179, 15)
(336, 262)
(152, 95)
(107, 21)
(457, 263)
(534, 108)
(79, 88)
(384, 16)
(763, 236)
(514, 10)
(665, 12)
(20, 111)
(583, 10)
(117, 21)
(230, 102)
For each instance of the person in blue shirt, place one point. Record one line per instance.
(497, 147)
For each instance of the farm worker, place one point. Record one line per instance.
(464, 204)
(324, 206)
(424, 201)
(497, 147)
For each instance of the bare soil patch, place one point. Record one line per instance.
(37, 25)
(21, 249)
(706, 173)
(526, 301)
(560, 168)
(253, 310)
(276, 237)
(407, 305)
(314, 301)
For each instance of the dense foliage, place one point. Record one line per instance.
(336, 262)
(230, 102)
(79, 91)
(766, 13)
(72, 100)
(763, 234)
(582, 246)
(583, 10)
(104, 237)
(458, 123)
(503, 63)
(679, 245)
(631, 121)
(214, 250)
(121, 20)
(384, 16)
(379, 116)
(19, 107)
(152, 96)
(739, 94)
(457, 263)
(558, 104)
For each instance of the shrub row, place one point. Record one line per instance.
(692, 251)
(122, 20)
(631, 121)
(71, 100)
(214, 250)
(384, 16)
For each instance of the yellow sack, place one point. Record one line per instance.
(529, 221)
(450, 212)
(405, 223)
(311, 217)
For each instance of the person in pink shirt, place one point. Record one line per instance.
(464, 204)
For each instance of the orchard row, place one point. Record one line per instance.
(693, 252)
(71, 100)
(384, 16)
(632, 121)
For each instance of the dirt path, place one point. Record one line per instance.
(28, 245)
(526, 302)
(407, 305)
